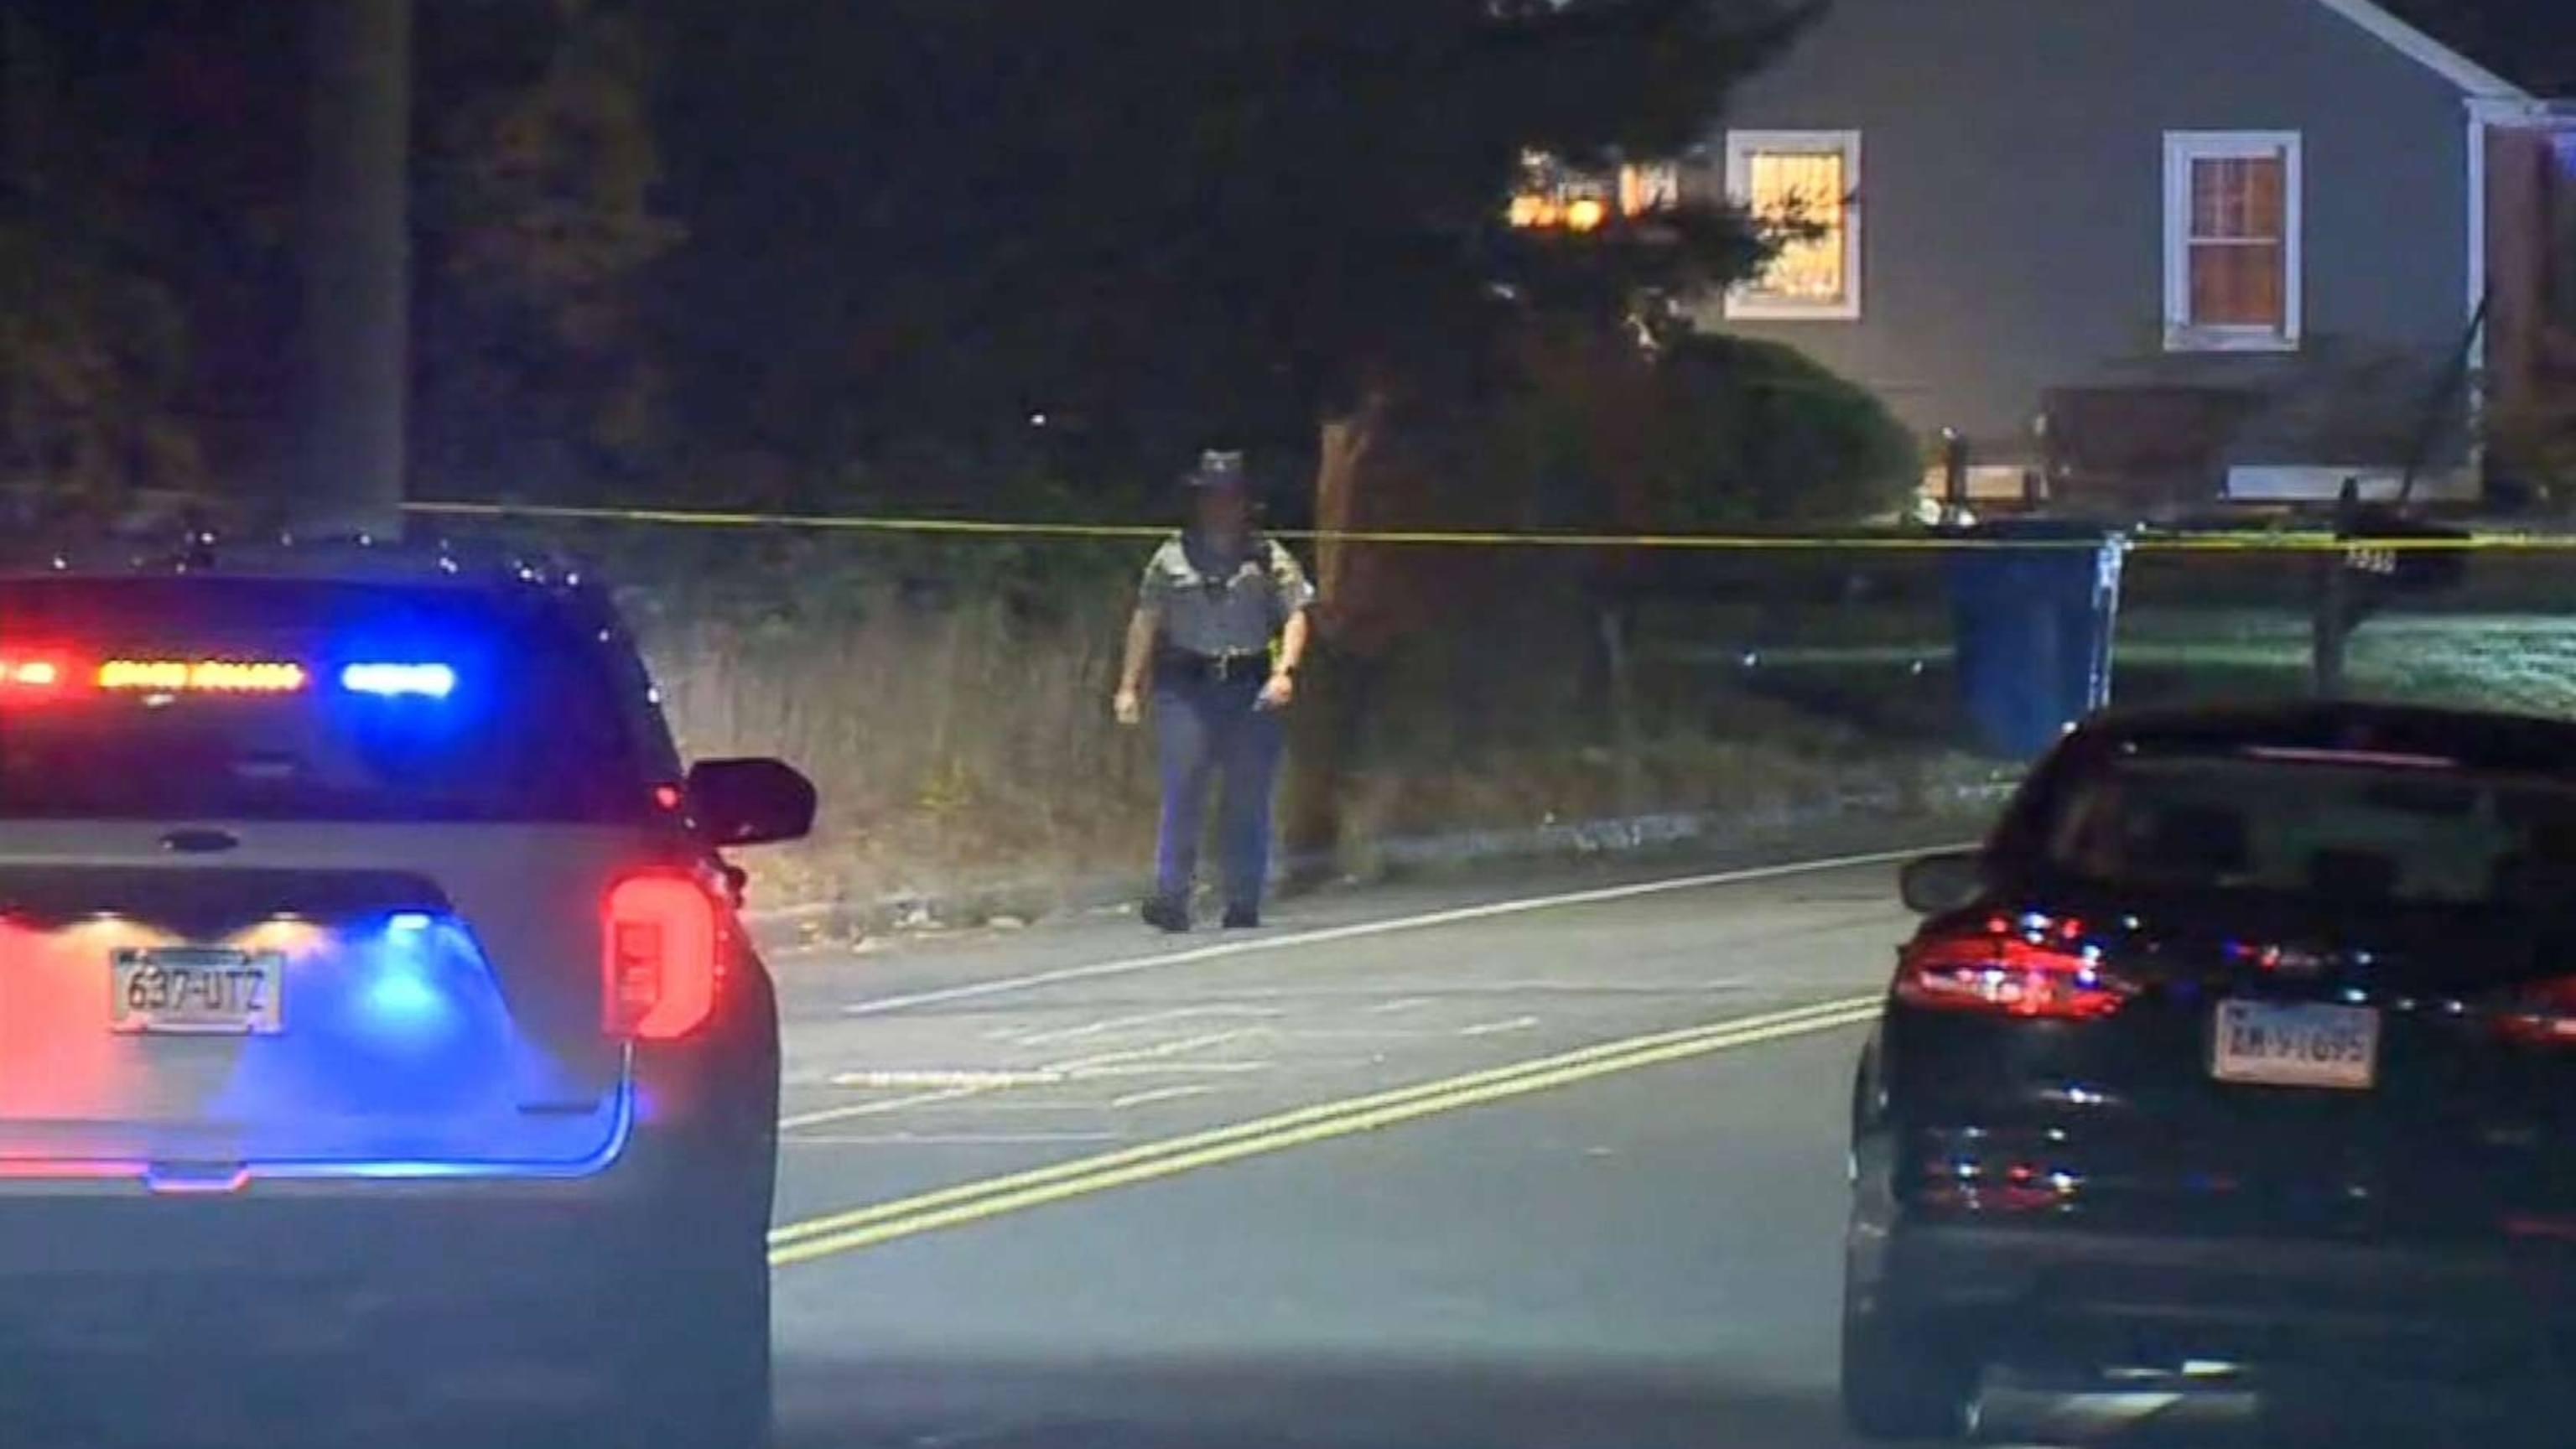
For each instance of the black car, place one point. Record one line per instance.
(369, 979)
(2245, 1048)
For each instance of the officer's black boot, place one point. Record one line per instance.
(1166, 914)
(1242, 918)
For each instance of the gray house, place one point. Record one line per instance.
(2145, 255)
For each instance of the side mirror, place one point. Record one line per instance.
(1938, 883)
(749, 802)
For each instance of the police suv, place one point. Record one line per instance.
(367, 968)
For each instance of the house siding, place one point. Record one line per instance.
(2013, 223)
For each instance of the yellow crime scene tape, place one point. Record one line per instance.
(2278, 542)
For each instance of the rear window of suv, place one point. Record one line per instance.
(206, 698)
(2323, 824)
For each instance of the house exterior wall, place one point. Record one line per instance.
(2012, 211)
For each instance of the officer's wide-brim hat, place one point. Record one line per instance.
(1217, 470)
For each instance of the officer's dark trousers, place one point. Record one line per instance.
(1205, 727)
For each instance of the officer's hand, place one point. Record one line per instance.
(1277, 693)
(1129, 709)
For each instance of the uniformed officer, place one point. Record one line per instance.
(1221, 624)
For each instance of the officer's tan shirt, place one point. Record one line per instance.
(1228, 607)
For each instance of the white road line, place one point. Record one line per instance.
(1260, 945)
(871, 1109)
(1111, 1024)
(948, 1077)
(1176, 1069)
(1353, 1033)
(1138, 1061)
(1004, 1102)
(1361, 997)
(1389, 1008)
(1497, 1028)
(1504, 986)
(1158, 1052)
(1158, 1094)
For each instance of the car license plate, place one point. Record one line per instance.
(2284, 1044)
(201, 989)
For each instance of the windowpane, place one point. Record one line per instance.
(2205, 821)
(2237, 285)
(1649, 187)
(2208, 198)
(2237, 197)
(530, 735)
(2232, 241)
(1806, 193)
(2266, 214)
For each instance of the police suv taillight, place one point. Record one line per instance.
(661, 958)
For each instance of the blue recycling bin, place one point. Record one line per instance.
(2034, 627)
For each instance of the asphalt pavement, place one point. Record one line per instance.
(1554, 1164)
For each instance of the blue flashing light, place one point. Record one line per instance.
(409, 1029)
(620, 1129)
(390, 681)
(402, 1002)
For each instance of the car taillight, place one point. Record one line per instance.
(661, 956)
(2540, 1014)
(1998, 971)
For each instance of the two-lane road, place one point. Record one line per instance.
(1542, 1168)
(964, 1062)
(1556, 1166)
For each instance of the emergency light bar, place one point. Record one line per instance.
(29, 673)
(425, 681)
(47, 675)
(201, 676)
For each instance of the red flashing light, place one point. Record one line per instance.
(32, 676)
(42, 673)
(661, 956)
(2541, 1014)
(2000, 976)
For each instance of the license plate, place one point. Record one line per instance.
(2296, 1045)
(200, 989)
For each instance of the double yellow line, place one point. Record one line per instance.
(844, 1232)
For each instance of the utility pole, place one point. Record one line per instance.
(357, 268)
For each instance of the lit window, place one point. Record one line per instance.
(1552, 194)
(2232, 278)
(1802, 187)
(1649, 187)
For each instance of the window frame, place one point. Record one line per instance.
(1743, 302)
(2185, 149)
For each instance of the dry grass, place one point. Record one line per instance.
(964, 749)
(965, 754)
(1764, 756)
(954, 748)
